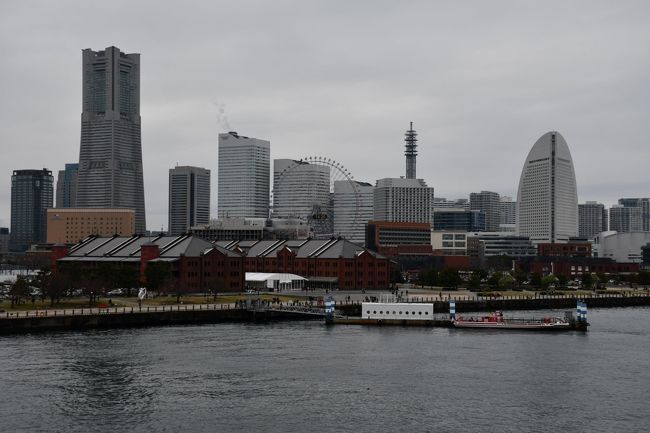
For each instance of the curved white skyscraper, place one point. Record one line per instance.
(547, 199)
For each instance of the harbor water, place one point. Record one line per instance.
(305, 376)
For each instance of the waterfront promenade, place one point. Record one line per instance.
(250, 309)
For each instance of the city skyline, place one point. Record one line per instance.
(479, 92)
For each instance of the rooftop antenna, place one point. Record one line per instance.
(411, 152)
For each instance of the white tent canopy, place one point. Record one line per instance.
(274, 280)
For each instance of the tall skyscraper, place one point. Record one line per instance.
(4, 240)
(547, 198)
(189, 198)
(244, 175)
(300, 189)
(353, 208)
(110, 157)
(411, 152)
(403, 200)
(592, 219)
(31, 194)
(626, 218)
(644, 204)
(488, 203)
(507, 211)
(66, 186)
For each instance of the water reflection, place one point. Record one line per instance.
(305, 376)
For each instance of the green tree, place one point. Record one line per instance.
(520, 276)
(562, 280)
(428, 277)
(548, 280)
(493, 280)
(19, 290)
(535, 279)
(42, 281)
(57, 287)
(506, 282)
(474, 282)
(588, 280)
(449, 277)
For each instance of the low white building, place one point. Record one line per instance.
(621, 247)
(277, 281)
(396, 311)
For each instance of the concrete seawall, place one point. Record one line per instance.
(123, 319)
(521, 303)
(198, 314)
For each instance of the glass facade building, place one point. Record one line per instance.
(110, 156)
(243, 185)
(31, 195)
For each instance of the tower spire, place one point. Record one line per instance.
(411, 151)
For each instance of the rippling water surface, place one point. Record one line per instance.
(297, 377)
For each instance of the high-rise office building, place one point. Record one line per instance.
(592, 219)
(625, 219)
(451, 219)
(488, 203)
(507, 211)
(459, 203)
(31, 195)
(547, 198)
(644, 204)
(403, 200)
(66, 186)
(244, 175)
(300, 189)
(110, 156)
(353, 208)
(189, 198)
(4, 240)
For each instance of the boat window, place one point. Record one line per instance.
(381, 312)
(406, 312)
(368, 312)
(420, 313)
(374, 312)
(393, 312)
(426, 313)
(400, 312)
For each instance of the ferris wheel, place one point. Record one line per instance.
(311, 189)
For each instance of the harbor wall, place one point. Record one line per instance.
(199, 314)
(520, 303)
(135, 318)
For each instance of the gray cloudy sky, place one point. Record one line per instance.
(481, 80)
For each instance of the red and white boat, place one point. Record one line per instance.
(497, 321)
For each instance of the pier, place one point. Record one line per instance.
(113, 317)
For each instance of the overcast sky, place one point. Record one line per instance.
(481, 80)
